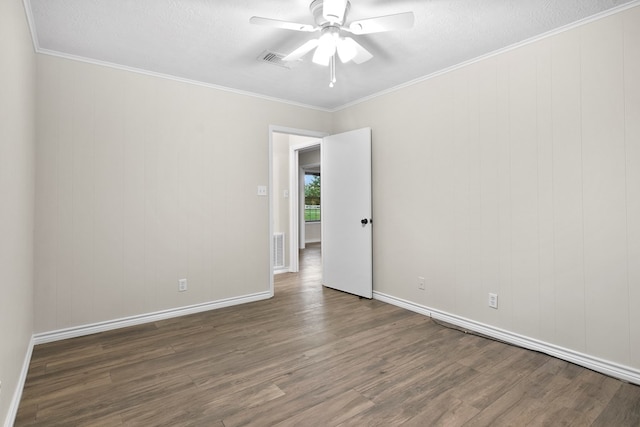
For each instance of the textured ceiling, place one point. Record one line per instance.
(211, 41)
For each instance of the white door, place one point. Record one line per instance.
(346, 212)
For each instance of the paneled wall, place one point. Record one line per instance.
(518, 174)
(142, 181)
(17, 174)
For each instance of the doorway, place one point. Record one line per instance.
(290, 154)
(346, 206)
(309, 198)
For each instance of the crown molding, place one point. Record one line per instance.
(509, 48)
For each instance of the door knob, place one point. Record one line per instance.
(364, 221)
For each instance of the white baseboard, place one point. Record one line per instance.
(78, 331)
(17, 394)
(606, 367)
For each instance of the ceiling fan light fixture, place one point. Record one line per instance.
(347, 49)
(330, 17)
(326, 49)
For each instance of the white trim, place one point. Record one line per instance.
(294, 210)
(30, 22)
(301, 238)
(606, 367)
(38, 49)
(531, 40)
(177, 79)
(553, 32)
(78, 331)
(17, 394)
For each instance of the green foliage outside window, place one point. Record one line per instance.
(312, 198)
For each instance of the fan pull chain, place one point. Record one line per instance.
(332, 70)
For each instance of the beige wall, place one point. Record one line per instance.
(142, 181)
(17, 77)
(520, 175)
(281, 208)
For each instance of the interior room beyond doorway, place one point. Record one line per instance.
(295, 159)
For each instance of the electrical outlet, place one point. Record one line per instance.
(421, 283)
(182, 285)
(493, 300)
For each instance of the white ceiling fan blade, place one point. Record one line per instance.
(362, 54)
(302, 50)
(398, 21)
(275, 23)
(333, 10)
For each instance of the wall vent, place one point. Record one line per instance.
(278, 250)
(275, 59)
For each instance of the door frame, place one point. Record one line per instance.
(289, 131)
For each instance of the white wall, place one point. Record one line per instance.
(520, 175)
(313, 232)
(142, 181)
(17, 78)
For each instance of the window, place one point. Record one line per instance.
(311, 196)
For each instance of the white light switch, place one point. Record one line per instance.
(493, 300)
(285, 193)
(262, 190)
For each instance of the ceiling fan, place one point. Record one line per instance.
(330, 18)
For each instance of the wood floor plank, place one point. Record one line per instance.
(443, 410)
(622, 409)
(311, 356)
(342, 407)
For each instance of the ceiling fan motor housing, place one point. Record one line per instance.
(316, 9)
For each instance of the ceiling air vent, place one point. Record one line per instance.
(275, 59)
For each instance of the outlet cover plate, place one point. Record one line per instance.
(182, 285)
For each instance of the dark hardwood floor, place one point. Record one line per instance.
(311, 356)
